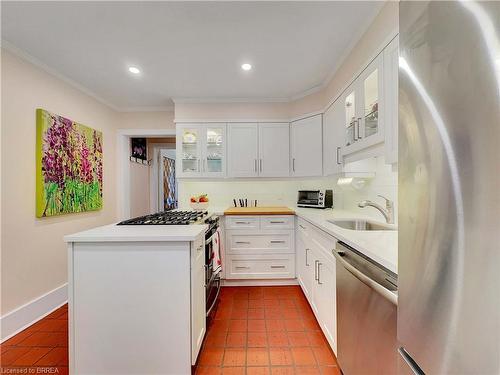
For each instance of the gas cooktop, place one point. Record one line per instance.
(168, 218)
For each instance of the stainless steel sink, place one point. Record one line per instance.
(359, 224)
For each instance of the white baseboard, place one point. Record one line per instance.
(22, 317)
(258, 282)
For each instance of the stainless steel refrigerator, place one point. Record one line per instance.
(449, 187)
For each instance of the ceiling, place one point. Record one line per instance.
(187, 50)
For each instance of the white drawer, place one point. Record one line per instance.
(274, 243)
(242, 222)
(260, 267)
(277, 222)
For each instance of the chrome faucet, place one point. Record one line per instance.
(388, 211)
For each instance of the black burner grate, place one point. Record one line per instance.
(167, 218)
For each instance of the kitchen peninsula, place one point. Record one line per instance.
(136, 299)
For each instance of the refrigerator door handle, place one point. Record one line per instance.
(387, 294)
(410, 362)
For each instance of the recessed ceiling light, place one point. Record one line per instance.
(246, 66)
(134, 70)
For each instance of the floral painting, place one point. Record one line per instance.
(69, 166)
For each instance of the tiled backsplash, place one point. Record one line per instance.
(284, 191)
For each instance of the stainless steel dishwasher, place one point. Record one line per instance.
(366, 314)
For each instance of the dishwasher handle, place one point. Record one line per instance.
(386, 293)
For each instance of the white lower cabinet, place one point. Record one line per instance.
(305, 270)
(316, 275)
(260, 247)
(198, 300)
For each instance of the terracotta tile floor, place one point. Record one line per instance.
(265, 330)
(41, 348)
(257, 330)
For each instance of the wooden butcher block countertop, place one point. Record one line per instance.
(271, 210)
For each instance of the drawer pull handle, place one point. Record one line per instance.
(243, 242)
(276, 241)
(319, 275)
(243, 222)
(242, 268)
(277, 266)
(277, 222)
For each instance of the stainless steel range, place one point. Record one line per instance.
(212, 277)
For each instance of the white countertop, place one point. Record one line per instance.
(381, 245)
(138, 233)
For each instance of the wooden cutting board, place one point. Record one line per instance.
(271, 210)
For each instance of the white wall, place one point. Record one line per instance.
(139, 189)
(34, 260)
(384, 183)
(33, 251)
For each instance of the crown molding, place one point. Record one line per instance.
(203, 100)
(229, 100)
(166, 108)
(36, 62)
(6, 45)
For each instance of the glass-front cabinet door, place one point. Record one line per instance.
(371, 105)
(350, 117)
(189, 144)
(371, 100)
(363, 109)
(214, 158)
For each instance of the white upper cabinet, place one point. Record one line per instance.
(201, 150)
(189, 144)
(214, 150)
(333, 138)
(274, 150)
(364, 108)
(259, 150)
(391, 67)
(306, 147)
(243, 150)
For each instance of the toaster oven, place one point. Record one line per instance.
(315, 198)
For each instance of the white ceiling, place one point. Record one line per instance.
(187, 49)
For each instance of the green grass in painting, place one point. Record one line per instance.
(69, 166)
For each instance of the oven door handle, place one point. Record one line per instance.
(216, 296)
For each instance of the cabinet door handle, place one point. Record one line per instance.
(303, 227)
(316, 270)
(338, 157)
(276, 241)
(319, 274)
(260, 164)
(277, 266)
(199, 248)
(293, 164)
(358, 123)
(307, 264)
(255, 165)
(242, 268)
